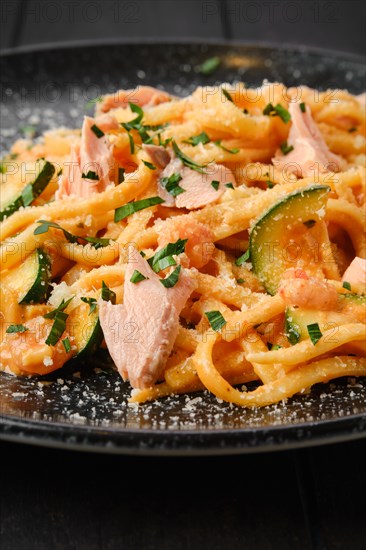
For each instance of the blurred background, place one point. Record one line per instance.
(333, 24)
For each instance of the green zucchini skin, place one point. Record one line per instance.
(86, 331)
(31, 280)
(37, 186)
(355, 298)
(298, 319)
(39, 291)
(267, 235)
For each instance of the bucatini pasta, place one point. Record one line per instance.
(206, 242)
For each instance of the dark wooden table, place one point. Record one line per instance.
(306, 499)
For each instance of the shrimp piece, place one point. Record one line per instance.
(199, 248)
(26, 353)
(297, 289)
(144, 96)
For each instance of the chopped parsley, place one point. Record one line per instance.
(171, 184)
(270, 184)
(13, 329)
(346, 285)
(303, 107)
(240, 281)
(314, 333)
(132, 143)
(60, 308)
(286, 148)
(96, 242)
(172, 279)
(232, 151)
(58, 328)
(227, 95)
(97, 131)
(229, 185)
(121, 175)
(216, 320)
(149, 165)
(107, 294)
(215, 184)
(190, 163)
(91, 175)
(353, 129)
(164, 257)
(210, 65)
(91, 302)
(130, 208)
(137, 277)
(66, 344)
(242, 259)
(277, 110)
(59, 318)
(201, 138)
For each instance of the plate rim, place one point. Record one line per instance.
(211, 42)
(189, 442)
(41, 432)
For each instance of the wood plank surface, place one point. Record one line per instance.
(45, 21)
(67, 500)
(334, 24)
(310, 499)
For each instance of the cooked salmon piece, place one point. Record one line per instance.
(159, 155)
(356, 272)
(198, 189)
(361, 98)
(310, 152)
(142, 96)
(94, 154)
(140, 333)
(199, 248)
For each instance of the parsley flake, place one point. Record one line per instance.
(216, 320)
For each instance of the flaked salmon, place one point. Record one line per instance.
(142, 96)
(87, 170)
(140, 333)
(310, 153)
(356, 272)
(195, 189)
(159, 155)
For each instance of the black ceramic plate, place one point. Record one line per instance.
(88, 409)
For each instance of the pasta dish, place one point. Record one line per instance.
(206, 242)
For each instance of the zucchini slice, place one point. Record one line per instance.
(359, 299)
(85, 330)
(14, 196)
(278, 238)
(31, 280)
(298, 319)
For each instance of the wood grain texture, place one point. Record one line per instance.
(64, 20)
(311, 499)
(10, 17)
(67, 500)
(333, 24)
